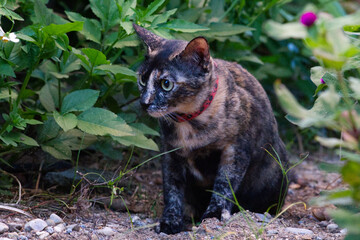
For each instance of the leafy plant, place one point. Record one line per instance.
(336, 107)
(64, 97)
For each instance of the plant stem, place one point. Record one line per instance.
(59, 93)
(24, 85)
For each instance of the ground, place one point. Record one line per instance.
(86, 220)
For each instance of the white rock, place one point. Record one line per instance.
(59, 228)
(272, 232)
(332, 227)
(106, 231)
(74, 227)
(301, 231)
(49, 230)
(4, 238)
(343, 231)
(35, 224)
(42, 234)
(50, 222)
(56, 218)
(13, 235)
(3, 228)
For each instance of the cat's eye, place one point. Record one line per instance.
(142, 82)
(167, 85)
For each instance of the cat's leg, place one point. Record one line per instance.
(233, 166)
(174, 187)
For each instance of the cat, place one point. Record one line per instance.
(220, 117)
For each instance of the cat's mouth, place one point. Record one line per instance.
(162, 113)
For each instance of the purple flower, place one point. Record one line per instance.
(308, 18)
(322, 81)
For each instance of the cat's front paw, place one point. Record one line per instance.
(217, 212)
(170, 226)
(212, 212)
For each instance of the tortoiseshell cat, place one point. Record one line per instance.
(221, 117)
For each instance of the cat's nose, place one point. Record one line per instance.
(144, 104)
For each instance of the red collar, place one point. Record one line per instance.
(182, 117)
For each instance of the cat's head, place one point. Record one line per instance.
(175, 76)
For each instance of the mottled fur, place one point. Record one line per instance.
(224, 144)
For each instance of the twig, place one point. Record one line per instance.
(39, 176)
(13, 176)
(3, 207)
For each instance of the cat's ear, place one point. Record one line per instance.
(151, 40)
(197, 51)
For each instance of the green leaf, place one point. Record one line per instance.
(79, 100)
(316, 73)
(355, 86)
(6, 69)
(127, 26)
(58, 150)
(144, 129)
(33, 122)
(7, 12)
(4, 94)
(280, 31)
(19, 138)
(102, 122)
(349, 220)
(45, 16)
(62, 41)
(163, 17)
(49, 96)
(183, 26)
(91, 28)
(139, 140)
(107, 11)
(67, 121)
(57, 29)
(153, 7)
(126, 8)
(76, 139)
(351, 173)
(129, 41)
(117, 69)
(95, 57)
(49, 130)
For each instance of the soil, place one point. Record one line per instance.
(143, 198)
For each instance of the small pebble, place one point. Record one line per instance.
(59, 228)
(332, 227)
(4, 238)
(272, 232)
(343, 231)
(318, 238)
(42, 234)
(50, 222)
(106, 231)
(23, 238)
(74, 227)
(3, 227)
(49, 230)
(301, 231)
(56, 218)
(35, 224)
(13, 235)
(323, 223)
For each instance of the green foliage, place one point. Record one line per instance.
(55, 95)
(336, 107)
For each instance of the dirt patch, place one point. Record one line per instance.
(86, 220)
